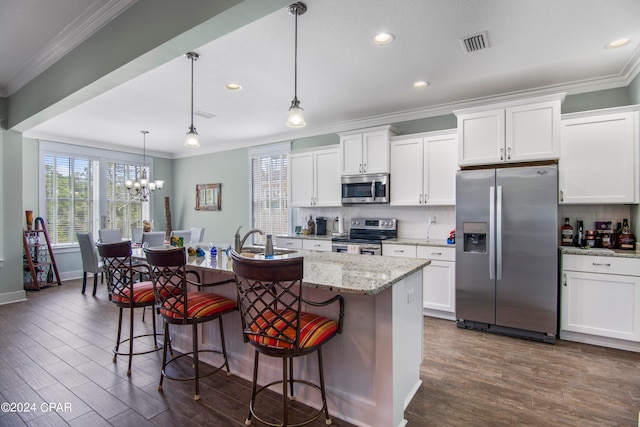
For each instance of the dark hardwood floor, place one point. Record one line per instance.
(56, 348)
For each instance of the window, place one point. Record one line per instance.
(83, 190)
(269, 202)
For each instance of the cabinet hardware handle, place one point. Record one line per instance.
(562, 195)
(435, 253)
(317, 245)
(360, 168)
(564, 279)
(502, 154)
(419, 199)
(509, 153)
(289, 243)
(605, 264)
(364, 168)
(399, 250)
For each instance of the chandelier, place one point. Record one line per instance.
(142, 188)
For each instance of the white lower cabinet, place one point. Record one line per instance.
(316, 245)
(600, 301)
(288, 243)
(438, 278)
(304, 244)
(439, 282)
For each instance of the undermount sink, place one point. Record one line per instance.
(258, 250)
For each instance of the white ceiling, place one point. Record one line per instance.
(344, 80)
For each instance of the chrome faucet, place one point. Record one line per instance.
(239, 243)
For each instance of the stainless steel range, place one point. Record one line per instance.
(366, 236)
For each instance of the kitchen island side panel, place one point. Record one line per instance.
(372, 369)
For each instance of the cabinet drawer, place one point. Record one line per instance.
(316, 245)
(405, 251)
(283, 242)
(436, 253)
(601, 264)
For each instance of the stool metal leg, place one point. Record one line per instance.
(253, 388)
(115, 355)
(131, 319)
(196, 364)
(322, 391)
(164, 353)
(285, 405)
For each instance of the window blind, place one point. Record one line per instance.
(269, 206)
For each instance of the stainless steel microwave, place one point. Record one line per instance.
(369, 188)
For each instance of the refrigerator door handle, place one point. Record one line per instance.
(499, 233)
(492, 222)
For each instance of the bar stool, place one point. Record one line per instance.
(125, 292)
(169, 275)
(270, 300)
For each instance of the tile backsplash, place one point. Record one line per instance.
(413, 221)
(592, 213)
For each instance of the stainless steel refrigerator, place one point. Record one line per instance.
(506, 251)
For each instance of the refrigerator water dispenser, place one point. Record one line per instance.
(475, 237)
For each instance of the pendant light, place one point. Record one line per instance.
(141, 189)
(192, 139)
(296, 117)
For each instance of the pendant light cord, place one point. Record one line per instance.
(192, 92)
(295, 60)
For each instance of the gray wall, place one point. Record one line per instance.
(229, 168)
(11, 216)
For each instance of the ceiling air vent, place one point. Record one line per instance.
(475, 42)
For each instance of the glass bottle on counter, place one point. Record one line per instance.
(615, 235)
(579, 237)
(567, 233)
(626, 240)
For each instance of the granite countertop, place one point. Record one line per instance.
(396, 241)
(570, 250)
(305, 236)
(419, 242)
(333, 271)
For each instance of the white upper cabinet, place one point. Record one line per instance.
(314, 178)
(599, 157)
(423, 169)
(516, 131)
(365, 151)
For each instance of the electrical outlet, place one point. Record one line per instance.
(432, 219)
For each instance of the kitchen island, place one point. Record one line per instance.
(372, 370)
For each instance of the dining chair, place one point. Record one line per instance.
(136, 235)
(180, 306)
(109, 235)
(90, 262)
(125, 292)
(153, 238)
(197, 234)
(273, 322)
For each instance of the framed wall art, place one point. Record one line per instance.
(208, 197)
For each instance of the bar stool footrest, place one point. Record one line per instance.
(312, 418)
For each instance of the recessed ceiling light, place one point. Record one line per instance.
(420, 83)
(382, 39)
(617, 43)
(233, 86)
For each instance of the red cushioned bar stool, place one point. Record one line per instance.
(180, 306)
(273, 321)
(125, 292)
